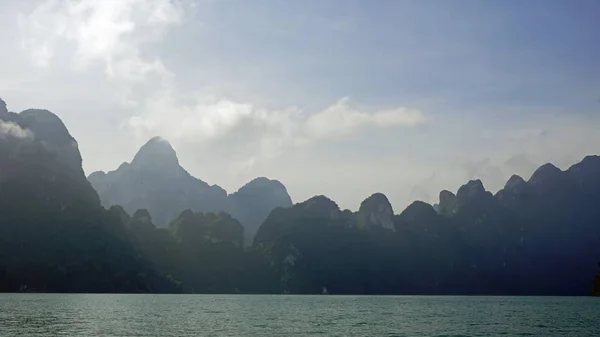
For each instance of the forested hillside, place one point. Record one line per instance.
(540, 236)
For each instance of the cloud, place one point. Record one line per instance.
(113, 33)
(241, 138)
(107, 31)
(342, 119)
(271, 131)
(12, 130)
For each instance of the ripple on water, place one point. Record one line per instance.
(40, 315)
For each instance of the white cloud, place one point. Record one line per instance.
(106, 31)
(342, 119)
(173, 120)
(271, 131)
(12, 130)
(113, 32)
(248, 139)
(225, 140)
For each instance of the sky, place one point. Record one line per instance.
(342, 98)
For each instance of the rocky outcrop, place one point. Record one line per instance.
(118, 212)
(513, 191)
(448, 203)
(545, 173)
(142, 215)
(319, 207)
(253, 202)
(155, 180)
(47, 203)
(3, 109)
(376, 211)
(316, 210)
(157, 154)
(40, 158)
(515, 183)
(198, 228)
(416, 214)
(470, 191)
(420, 223)
(585, 173)
(549, 181)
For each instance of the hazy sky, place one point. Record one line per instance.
(342, 98)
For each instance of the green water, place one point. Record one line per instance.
(244, 315)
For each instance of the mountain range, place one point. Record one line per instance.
(155, 181)
(54, 234)
(149, 226)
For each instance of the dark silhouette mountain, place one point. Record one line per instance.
(540, 236)
(545, 174)
(3, 110)
(471, 193)
(418, 213)
(203, 252)
(535, 237)
(253, 202)
(41, 159)
(512, 192)
(448, 204)
(208, 228)
(54, 234)
(376, 210)
(314, 245)
(155, 181)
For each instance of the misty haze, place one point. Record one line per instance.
(276, 168)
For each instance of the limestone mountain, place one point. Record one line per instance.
(40, 159)
(512, 192)
(54, 234)
(448, 203)
(154, 180)
(539, 236)
(545, 174)
(551, 217)
(253, 202)
(534, 237)
(376, 210)
(198, 228)
(3, 109)
(417, 214)
(472, 192)
(282, 220)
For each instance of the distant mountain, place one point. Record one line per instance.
(41, 159)
(253, 202)
(535, 237)
(155, 181)
(376, 210)
(197, 228)
(540, 236)
(201, 250)
(280, 220)
(54, 234)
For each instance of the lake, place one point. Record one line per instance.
(264, 315)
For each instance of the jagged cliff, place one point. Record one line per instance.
(154, 180)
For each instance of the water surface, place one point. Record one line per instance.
(246, 315)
